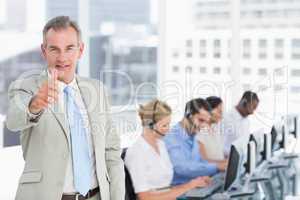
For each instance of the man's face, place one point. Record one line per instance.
(251, 107)
(61, 50)
(216, 113)
(201, 119)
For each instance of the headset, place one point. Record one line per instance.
(153, 121)
(191, 109)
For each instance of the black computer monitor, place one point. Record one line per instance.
(273, 137)
(251, 161)
(294, 126)
(266, 153)
(232, 168)
(282, 142)
(258, 139)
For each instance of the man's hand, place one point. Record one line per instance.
(46, 95)
(222, 166)
(201, 181)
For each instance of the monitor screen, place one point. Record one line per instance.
(293, 129)
(282, 142)
(232, 168)
(266, 153)
(275, 139)
(273, 136)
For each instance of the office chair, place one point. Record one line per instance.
(130, 194)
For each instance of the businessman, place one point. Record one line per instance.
(70, 147)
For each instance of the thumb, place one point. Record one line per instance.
(54, 74)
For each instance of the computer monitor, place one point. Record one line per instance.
(266, 153)
(232, 168)
(284, 134)
(251, 158)
(262, 142)
(273, 137)
(241, 146)
(293, 126)
(258, 138)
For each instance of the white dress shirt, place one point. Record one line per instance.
(234, 126)
(148, 169)
(69, 179)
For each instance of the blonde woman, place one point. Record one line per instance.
(148, 161)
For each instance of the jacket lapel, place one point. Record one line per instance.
(54, 109)
(90, 96)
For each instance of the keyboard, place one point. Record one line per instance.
(216, 184)
(219, 176)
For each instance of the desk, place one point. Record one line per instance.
(278, 188)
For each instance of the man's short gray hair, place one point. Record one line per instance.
(59, 23)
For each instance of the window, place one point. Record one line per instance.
(279, 72)
(262, 52)
(217, 70)
(278, 52)
(189, 69)
(189, 43)
(246, 48)
(217, 48)
(203, 70)
(296, 49)
(295, 89)
(246, 71)
(202, 48)
(175, 69)
(262, 71)
(189, 48)
(175, 54)
(295, 72)
(262, 88)
(189, 54)
(279, 87)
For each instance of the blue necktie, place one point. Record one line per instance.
(80, 152)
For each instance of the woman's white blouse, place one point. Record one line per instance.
(148, 169)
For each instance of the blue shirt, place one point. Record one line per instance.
(185, 156)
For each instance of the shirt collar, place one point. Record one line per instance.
(184, 134)
(62, 85)
(238, 114)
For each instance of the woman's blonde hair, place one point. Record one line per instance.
(154, 111)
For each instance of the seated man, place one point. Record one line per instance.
(235, 123)
(183, 147)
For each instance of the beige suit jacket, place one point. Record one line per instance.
(45, 142)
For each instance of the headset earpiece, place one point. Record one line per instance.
(187, 112)
(153, 122)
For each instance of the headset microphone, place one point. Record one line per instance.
(158, 132)
(153, 121)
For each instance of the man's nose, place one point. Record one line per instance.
(62, 56)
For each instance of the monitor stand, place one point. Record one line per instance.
(236, 191)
